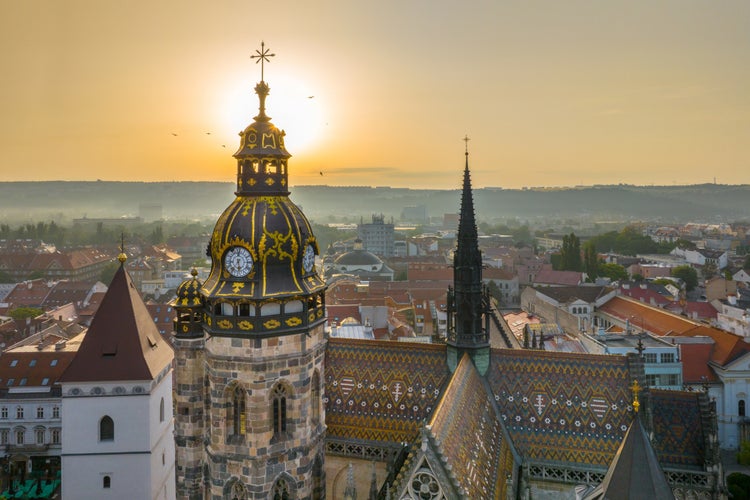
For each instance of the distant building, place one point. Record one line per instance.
(377, 236)
(150, 212)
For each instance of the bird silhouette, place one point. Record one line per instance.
(310, 96)
(174, 134)
(208, 133)
(321, 172)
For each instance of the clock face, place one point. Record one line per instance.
(238, 262)
(308, 260)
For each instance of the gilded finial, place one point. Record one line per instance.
(466, 140)
(262, 56)
(122, 257)
(262, 87)
(636, 388)
(194, 273)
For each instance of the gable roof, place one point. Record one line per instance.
(122, 342)
(470, 436)
(553, 277)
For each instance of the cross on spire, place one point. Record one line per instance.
(466, 140)
(262, 56)
(636, 388)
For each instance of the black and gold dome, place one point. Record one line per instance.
(188, 293)
(263, 280)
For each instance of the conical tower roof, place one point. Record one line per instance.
(122, 342)
(635, 473)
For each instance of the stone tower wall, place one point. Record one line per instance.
(259, 457)
(189, 417)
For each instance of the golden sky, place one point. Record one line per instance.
(551, 92)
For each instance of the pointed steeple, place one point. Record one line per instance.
(468, 323)
(122, 342)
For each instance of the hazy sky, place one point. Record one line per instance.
(552, 93)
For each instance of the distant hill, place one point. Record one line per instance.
(206, 200)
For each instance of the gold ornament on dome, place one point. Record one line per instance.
(245, 325)
(224, 324)
(272, 324)
(237, 286)
(320, 313)
(293, 321)
(184, 328)
(270, 181)
(311, 317)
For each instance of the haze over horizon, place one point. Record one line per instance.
(550, 93)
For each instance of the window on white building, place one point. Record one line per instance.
(39, 436)
(40, 412)
(19, 412)
(55, 412)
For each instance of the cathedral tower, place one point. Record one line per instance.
(468, 300)
(261, 343)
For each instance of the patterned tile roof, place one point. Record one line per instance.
(678, 428)
(381, 391)
(470, 435)
(551, 414)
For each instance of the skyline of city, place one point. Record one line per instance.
(551, 95)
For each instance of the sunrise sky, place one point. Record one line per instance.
(552, 93)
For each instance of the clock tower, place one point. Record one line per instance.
(253, 371)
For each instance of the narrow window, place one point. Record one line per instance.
(106, 429)
(40, 436)
(238, 411)
(741, 407)
(161, 410)
(106, 482)
(19, 412)
(315, 397)
(55, 412)
(40, 412)
(279, 410)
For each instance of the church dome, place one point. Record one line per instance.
(188, 293)
(263, 279)
(358, 258)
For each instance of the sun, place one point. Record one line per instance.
(291, 104)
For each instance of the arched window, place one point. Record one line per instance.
(278, 403)
(281, 490)
(741, 407)
(161, 410)
(106, 482)
(238, 491)
(315, 397)
(106, 429)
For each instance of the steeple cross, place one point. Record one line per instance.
(466, 140)
(636, 388)
(262, 56)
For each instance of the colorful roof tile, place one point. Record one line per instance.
(381, 391)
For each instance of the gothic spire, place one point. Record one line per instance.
(468, 329)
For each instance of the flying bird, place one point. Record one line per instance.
(310, 96)
(321, 172)
(174, 134)
(208, 133)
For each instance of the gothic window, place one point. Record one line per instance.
(741, 407)
(235, 412)
(281, 490)
(424, 485)
(279, 397)
(106, 429)
(238, 491)
(315, 397)
(161, 410)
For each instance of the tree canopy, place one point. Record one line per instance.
(688, 275)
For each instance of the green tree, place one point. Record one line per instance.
(570, 253)
(688, 275)
(590, 260)
(615, 272)
(20, 313)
